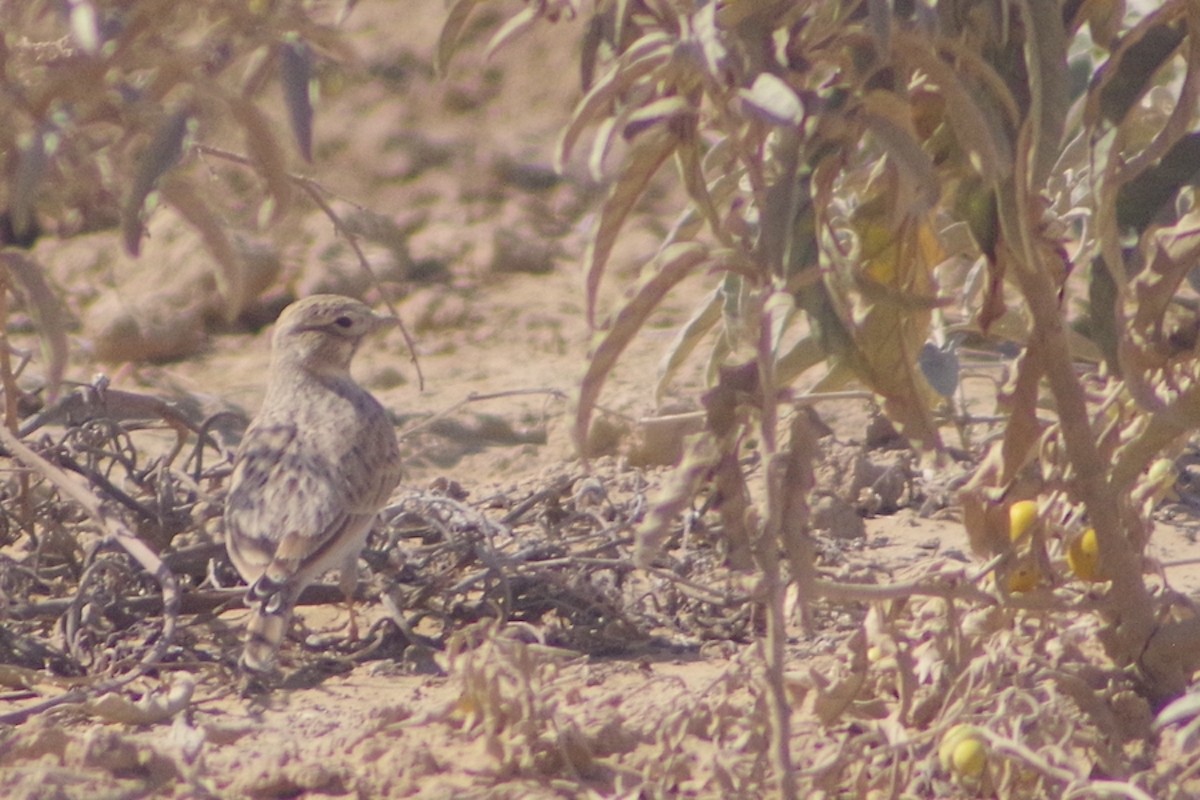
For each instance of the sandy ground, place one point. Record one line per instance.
(484, 270)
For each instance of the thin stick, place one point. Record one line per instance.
(192, 602)
(936, 586)
(6, 374)
(771, 540)
(9, 385)
(473, 397)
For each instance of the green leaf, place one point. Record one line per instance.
(649, 153)
(456, 20)
(295, 73)
(50, 316)
(675, 263)
(516, 25)
(231, 277)
(646, 56)
(1140, 200)
(703, 319)
(1138, 56)
(266, 151)
(773, 100)
(1046, 64)
(979, 132)
(32, 160)
(163, 153)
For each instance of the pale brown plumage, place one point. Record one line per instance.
(315, 466)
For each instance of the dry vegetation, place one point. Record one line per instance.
(979, 215)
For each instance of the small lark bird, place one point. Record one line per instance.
(315, 466)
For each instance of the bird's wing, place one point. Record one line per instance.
(287, 501)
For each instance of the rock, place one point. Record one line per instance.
(833, 514)
(521, 252)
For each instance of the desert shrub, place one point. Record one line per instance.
(875, 187)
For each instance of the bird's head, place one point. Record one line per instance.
(321, 333)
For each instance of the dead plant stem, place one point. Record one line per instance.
(6, 373)
(767, 554)
(118, 532)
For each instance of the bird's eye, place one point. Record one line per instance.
(343, 322)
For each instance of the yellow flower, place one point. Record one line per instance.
(1021, 516)
(963, 752)
(1083, 556)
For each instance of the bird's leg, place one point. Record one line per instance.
(348, 582)
(269, 621)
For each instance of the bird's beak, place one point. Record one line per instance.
(383, 322)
